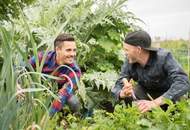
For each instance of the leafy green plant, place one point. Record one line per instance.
(35, 30)
(176, 117)
(10, 8)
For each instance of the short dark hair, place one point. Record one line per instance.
(61, 38)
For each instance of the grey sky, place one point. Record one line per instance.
(164, 18)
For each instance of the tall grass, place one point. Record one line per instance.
(35, 30)
(21, 113)
(7, 81)
(15, 114)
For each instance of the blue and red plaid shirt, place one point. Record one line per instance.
(49, 67)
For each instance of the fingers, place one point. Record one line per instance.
(126, 83)
(145, 105)
(20, 95)
(130, 81)
(128, 90)
(142, 106)
(122, 94)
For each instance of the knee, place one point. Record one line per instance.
(74, 103)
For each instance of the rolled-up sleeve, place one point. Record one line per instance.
(178, 80)
(119, 84)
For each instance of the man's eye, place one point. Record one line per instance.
(68, 49)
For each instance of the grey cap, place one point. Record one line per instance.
(140, 38)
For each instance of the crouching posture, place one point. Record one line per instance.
(64, 54)
(157, 73)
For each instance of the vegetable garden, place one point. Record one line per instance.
(28, 26)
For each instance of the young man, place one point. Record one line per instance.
(64, 54)
(157, 73)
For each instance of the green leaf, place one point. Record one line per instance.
(107, 44)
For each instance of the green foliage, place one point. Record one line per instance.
(98, 59)
(10, 8)
(99, 28)
(175, 44)
(96, 25)
(102, 80)
(7, 82)
(98, 89)
(35, 30)
(176, 117)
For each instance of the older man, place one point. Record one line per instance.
(158, 75)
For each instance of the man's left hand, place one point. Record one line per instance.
(146, 105)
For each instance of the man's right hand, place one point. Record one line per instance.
(127, 89)
(20, 95)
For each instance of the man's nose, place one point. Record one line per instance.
(124, 52)
(73, 53)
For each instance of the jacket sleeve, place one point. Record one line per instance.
(178, 80)
(119, 84)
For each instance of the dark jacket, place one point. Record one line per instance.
(161, 74)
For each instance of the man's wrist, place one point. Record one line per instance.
(159, 101)
(122, 96)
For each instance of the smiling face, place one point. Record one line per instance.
(66, 52)
(131, 52)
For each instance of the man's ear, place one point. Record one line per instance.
(57, 48)
(139, 49)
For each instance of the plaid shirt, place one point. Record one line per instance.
(63, 72)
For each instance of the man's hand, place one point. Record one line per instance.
(146, 105)
(20, 95)
(127, 89)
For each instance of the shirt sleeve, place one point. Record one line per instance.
(32, 60)
(119, 84)
(72, 78)
(178, 80)
(65, 92)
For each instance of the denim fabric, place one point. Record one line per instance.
(162, 75)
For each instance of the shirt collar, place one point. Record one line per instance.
(150, 59)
